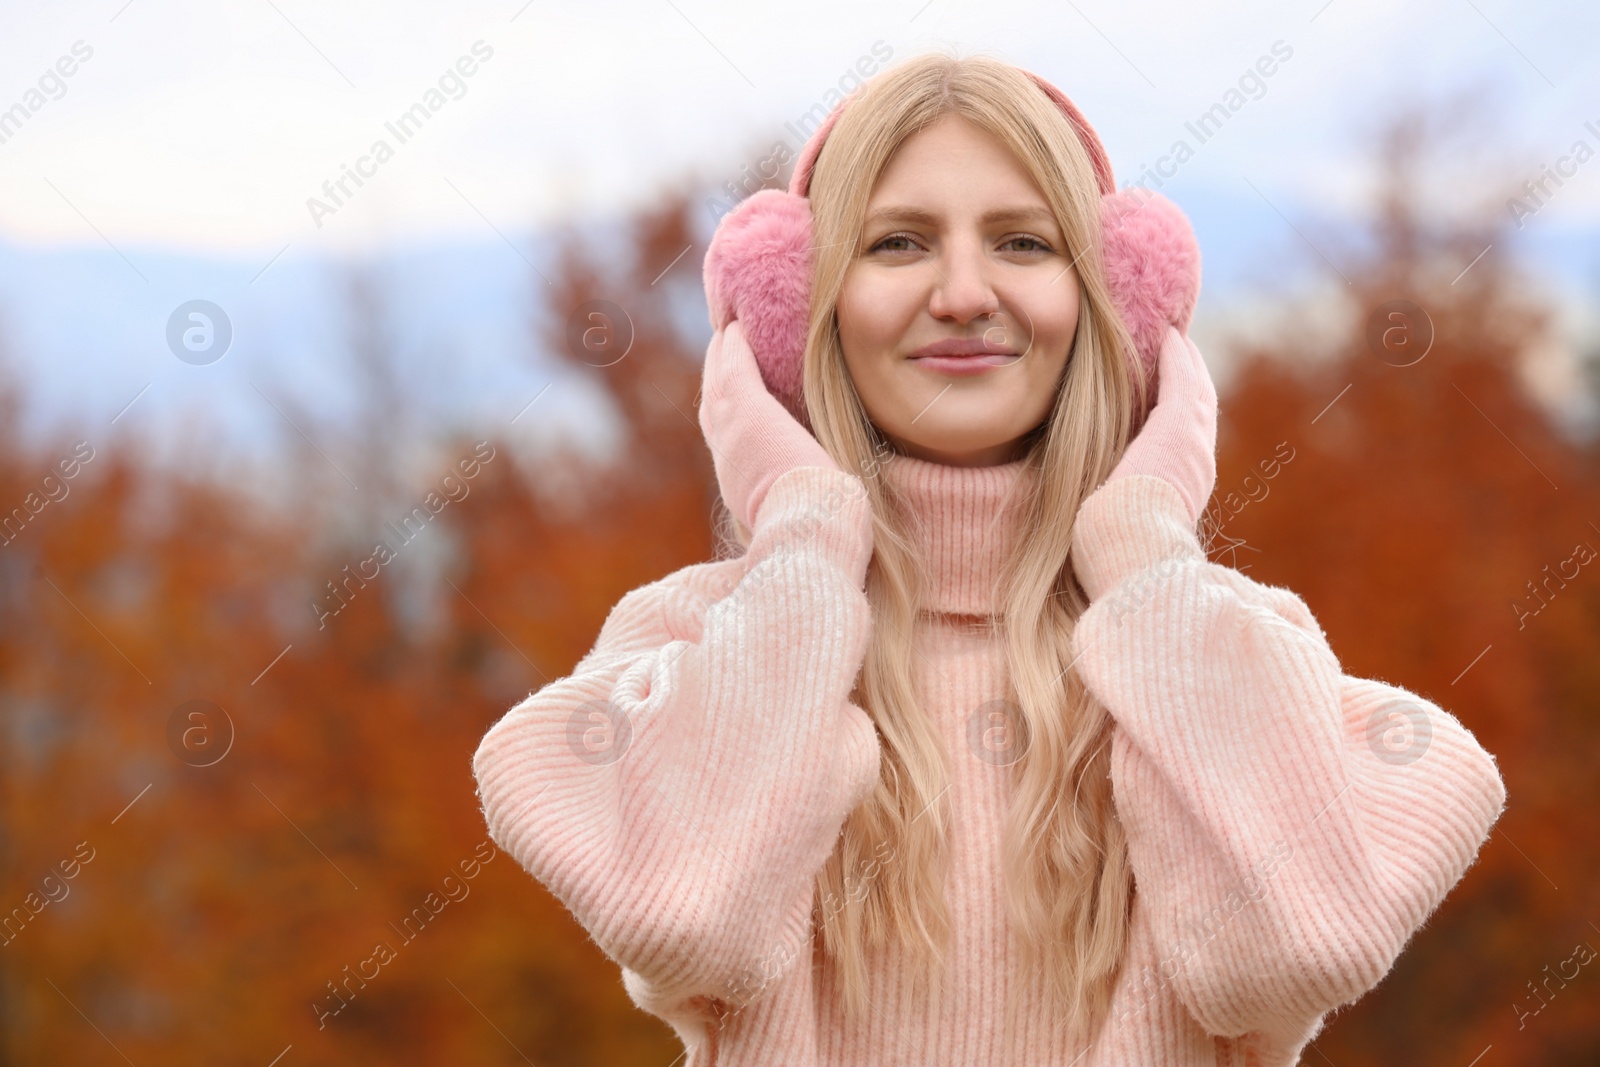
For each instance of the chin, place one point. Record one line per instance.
(951, 446)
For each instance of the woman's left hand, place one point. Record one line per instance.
(1178, 441)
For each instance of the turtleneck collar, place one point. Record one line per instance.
(966, 527)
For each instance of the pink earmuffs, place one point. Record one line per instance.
(758, 267)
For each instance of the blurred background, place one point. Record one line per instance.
(309, 470)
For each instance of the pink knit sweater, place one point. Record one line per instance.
(1290, 826)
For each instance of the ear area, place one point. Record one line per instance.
(758, 270)
(1152, 265)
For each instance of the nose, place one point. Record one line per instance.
(964, 290)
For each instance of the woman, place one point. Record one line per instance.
(972, 756)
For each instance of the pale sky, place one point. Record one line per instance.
(209, 125)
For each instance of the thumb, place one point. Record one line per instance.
(713, 379)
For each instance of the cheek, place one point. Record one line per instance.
(1050, 310)
(1047, 312)
(875, 310)
(877, 306)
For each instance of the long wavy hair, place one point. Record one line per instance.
(1069, 887)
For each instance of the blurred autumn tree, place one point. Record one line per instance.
(225, 902)
(229, 908)
(1427, 496)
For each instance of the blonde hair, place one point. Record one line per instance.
(1069, 885)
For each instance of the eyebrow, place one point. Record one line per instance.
(918, 216)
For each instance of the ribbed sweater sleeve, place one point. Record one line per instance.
(1290, 826)
(680, 790)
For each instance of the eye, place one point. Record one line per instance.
(1038, 244)
(883, 243)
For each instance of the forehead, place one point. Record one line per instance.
(950, 164)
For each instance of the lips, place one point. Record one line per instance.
(961, 348)
(963, 356)
(963, 365)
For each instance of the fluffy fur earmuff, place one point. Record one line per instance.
(758, 266)
(758, 270)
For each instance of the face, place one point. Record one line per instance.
(958, 312)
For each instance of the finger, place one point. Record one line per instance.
(713, 384)
(1186, 366)
(736, 370)
(729, 367)
(1169, 375)
(1206, 386)
(1176, 358)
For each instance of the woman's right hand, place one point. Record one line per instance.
(752, 437)
(1178, 441)
(697, 876)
